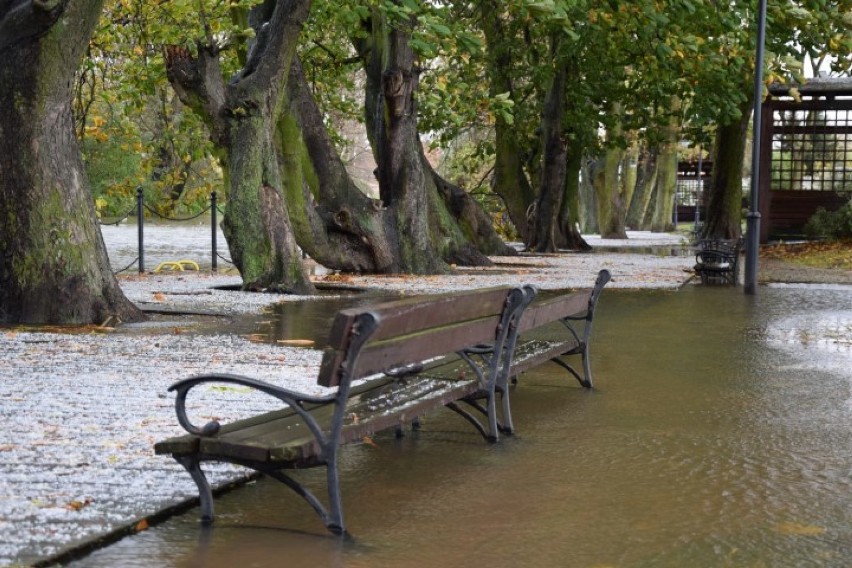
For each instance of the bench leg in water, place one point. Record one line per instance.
(332, 519)
(585, 381)
(205, 494)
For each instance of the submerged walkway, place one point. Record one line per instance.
(82, 410)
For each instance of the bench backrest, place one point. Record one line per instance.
(393, 334)
(577, 304)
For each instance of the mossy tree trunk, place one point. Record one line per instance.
(54, 267)
(663, 220)
(429, 221)
(645, 179)
(334, 222)
(242, 116)
(724, 208)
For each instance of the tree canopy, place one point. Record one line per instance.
(533, 116)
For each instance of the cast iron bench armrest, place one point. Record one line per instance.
(293, 399)
(578, 306)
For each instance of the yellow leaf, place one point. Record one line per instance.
(791, 528)
(141, 526)
(296, 342)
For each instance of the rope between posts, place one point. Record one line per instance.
(126, 267)
(228, 260)
(124, 218)
(167, 218)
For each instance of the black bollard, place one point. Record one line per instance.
(213, 229)
(140, 220)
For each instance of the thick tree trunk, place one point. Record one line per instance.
(666, 184)
(335, 223)
(554, 159)
(242, 116)
(611, 206)
(509, 180)
(667, 173)
(53, 263)
(569, 236)
(724, 209)
(430, 222)
(402, 176)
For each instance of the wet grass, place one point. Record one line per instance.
(815, 254)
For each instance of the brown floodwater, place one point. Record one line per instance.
(719, 434)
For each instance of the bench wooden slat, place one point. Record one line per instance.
(427, 328)
(382, 356)
(545, 311)
(283, 438)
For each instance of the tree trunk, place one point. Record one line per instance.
(724, 209)
(53, 263)
(611, 207)
(645, 180)
(241, 115)
(569, 236)
(588, 198)
(509, 180)
(667, 173)
(430, 222)
(335, 223)
(554, 160)
(402, 176)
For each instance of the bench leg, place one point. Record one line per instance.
(585, 381)
(205, 494)
(507, 427)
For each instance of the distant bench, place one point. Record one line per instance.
(717, 261)
(415, 355)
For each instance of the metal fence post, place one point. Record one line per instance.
(213, 229)
(140, 221)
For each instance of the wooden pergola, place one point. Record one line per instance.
(806, 153)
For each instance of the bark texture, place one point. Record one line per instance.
(53, 264)
(724, 208)
(430, 222)
(663, 218)
(334, 222)
(509, 180)
(242, 116)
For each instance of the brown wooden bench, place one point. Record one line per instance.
(415, 355)
(556, 327)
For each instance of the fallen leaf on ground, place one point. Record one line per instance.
(296, 342)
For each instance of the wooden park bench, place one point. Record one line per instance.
(556, 327)
(717, 261)
(414, 355)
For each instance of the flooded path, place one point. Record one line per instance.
(719, 435)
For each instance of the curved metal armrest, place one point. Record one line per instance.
(479, 349)
(293, 399)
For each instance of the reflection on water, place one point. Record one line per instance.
(717, 436)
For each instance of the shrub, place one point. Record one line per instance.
(831, 224)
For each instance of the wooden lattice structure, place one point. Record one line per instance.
(806, 153)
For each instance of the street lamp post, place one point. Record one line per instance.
(753, 217)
